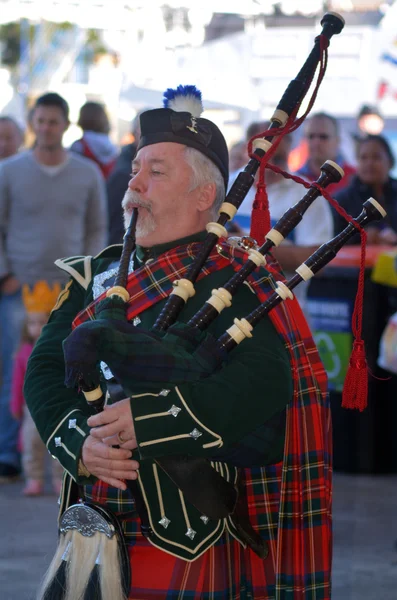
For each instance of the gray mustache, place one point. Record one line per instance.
(132, 197)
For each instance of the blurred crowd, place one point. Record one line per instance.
(57, 202)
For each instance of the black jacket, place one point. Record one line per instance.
(116, 187)
(353, 197)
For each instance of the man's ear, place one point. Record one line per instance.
(66, 126)
(207, 196)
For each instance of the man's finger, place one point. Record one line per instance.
(114, 440)
(113, 406)
(103, 451)
(116, 474)
(130, 445)
(120, 465)
(121, 469)
(102, 418)
(114, 465)
(106, 430)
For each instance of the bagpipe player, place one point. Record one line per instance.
(260, 421)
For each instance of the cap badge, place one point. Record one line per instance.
(193, 125)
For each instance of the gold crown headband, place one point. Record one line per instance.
(40, 298)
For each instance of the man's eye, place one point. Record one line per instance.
(156, 172)
(133, 173)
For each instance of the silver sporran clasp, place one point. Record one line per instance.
(85, 520)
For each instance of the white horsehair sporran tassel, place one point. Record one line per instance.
(88, 563)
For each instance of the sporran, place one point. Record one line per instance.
(91, 561)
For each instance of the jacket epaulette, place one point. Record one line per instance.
(78, 267)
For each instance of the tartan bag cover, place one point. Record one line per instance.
(291, 499)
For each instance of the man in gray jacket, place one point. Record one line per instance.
(52, 205)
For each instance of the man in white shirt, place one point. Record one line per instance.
(52, 204)
(315, 228)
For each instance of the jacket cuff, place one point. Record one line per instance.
(66, 441)
(165, 424)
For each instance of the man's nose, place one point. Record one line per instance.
(137, 183)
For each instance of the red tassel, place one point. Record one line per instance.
(355, 389)
(260, 217)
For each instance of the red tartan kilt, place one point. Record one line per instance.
(226, 570)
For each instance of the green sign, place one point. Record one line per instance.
(330, 321)
(334, 349)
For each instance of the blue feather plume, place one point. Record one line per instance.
(185, 98)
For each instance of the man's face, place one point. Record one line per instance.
(161, 189)
(10, 139)
(322, 140)
(49, 125)
(373, 163)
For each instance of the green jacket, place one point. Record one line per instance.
(253, 386)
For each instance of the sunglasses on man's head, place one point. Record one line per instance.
(320, 136)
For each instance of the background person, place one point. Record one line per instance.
(238, 157)
(117, 184)
(375, 160)
(95, 142)
(321, 132)
(38, 303)
(52, 204)
(315, 228)
(11, 137)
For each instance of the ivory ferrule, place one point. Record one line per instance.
(378, 206)
(240, 330)
(274, 236)
(93, 394)
(261, 144)
(256, 257)
(229, 209)
(335, 166)
(220, 299)
(283, 291)
(119, 291)
(280, 116)
(216, 228)
(305, 272)
(183, 288)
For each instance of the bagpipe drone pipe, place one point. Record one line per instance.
(185, 352)
(146, 360)
(282, 122)
(88, 344)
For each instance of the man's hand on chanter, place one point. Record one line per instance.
(111, 465)
(115, 426)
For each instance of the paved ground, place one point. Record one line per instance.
(365, 526)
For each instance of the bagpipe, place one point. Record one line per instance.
(187, 350)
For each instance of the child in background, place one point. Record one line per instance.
(38, 304)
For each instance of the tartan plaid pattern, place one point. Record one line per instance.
(153, 282)
(226, 570)
(304, 543)
(289, 503)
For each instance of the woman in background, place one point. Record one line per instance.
(95, 143)
(375, 160)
